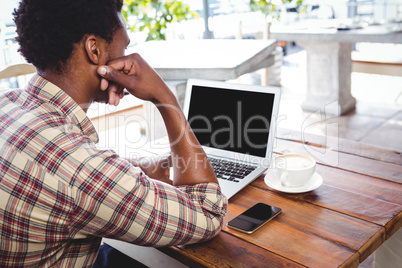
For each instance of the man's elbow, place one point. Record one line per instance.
(214, 227)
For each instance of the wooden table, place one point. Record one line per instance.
(329, 63)
(358, 207)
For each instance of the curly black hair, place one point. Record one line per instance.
(49, 29)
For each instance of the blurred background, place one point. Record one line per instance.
(377, 119)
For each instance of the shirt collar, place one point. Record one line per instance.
(52, 94)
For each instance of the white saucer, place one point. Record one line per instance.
(273, 181)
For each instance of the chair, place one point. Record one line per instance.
(16, 70)
(377, 58)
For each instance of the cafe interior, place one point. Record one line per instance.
(338, 65)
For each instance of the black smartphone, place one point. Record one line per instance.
(253, 218)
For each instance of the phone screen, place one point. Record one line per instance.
(254, 217)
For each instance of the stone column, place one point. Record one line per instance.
(329, 67)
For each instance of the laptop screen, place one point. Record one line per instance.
(230, 119)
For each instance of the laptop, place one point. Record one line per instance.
(235, 124)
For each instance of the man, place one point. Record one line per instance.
(59, 194)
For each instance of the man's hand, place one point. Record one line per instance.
(134, 74)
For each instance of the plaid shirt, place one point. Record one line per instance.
(59, 194)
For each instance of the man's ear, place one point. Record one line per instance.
(93, 49)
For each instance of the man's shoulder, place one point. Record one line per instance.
(18, 99)
(7, 95)
(20, 106)
(26, 120)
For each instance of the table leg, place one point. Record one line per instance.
(329, 67)
(149, 256)
(389, 254)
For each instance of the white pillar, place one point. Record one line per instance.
(329, 67)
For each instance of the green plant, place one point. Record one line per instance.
(271, 8)
(154, 16)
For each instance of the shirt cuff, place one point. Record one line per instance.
(208, 195)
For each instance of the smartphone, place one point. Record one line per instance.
(253, 218)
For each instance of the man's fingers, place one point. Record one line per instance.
(114, 75)
(104, 84)
(115, 91)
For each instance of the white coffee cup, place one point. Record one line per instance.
(294, 170)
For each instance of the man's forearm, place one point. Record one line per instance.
(134, 74)
(191, 165)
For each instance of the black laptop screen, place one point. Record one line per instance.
(229, 119)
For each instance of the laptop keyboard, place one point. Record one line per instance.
(231, 171)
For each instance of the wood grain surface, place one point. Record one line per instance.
(358, 207)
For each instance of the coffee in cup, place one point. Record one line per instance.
(294, 170)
